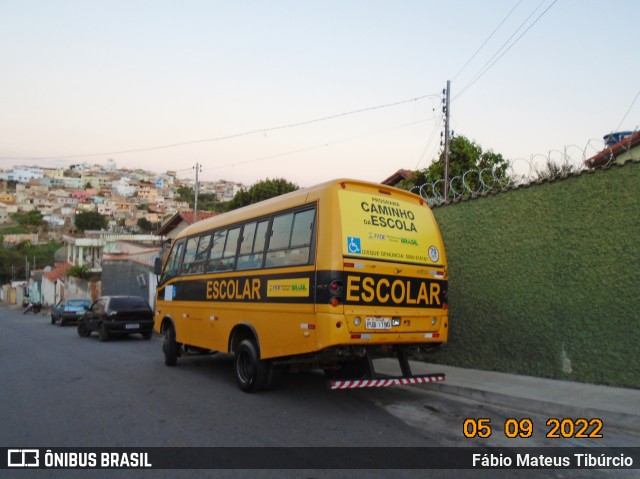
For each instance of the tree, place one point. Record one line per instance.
(145, 225)
(14, 260)
(30, 220)
(260, 191)
(484, 167)
(90, 220)
(81, 272)
(186, 194)
(206, 201)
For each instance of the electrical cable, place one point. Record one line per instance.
(485, 42)
(315, 147)
(627, 113)
(490, 63)
(227, 137)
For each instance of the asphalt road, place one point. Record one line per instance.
(60, 390)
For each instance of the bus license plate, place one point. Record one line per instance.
(377, 323)
(132, 326)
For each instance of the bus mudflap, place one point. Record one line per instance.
(373, 380)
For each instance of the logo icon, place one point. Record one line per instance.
(353, 245)
(23, 458)
(434, 254)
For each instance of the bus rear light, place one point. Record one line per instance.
(349, 265)
(335, 301)
(357, 321)
(356, 336)
(444, 306)
(335, 287)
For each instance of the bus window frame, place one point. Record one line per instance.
(310, 247)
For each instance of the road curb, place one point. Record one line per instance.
(629, 422)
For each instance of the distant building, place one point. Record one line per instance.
(110, 166)
(24, 174)
(397, 177)
(180, 221)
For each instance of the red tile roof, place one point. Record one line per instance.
(58, 272)
(610, 153)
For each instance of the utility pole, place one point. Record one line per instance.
(195, 201)
(446, 140)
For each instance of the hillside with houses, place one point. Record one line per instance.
(114, 260)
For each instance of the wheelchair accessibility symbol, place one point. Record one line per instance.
(353, 245)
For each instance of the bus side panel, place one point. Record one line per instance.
(278, 307)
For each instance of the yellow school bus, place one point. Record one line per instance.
(327, 277)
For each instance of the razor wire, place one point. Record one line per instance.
(571, 160)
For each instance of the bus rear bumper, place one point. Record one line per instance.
(371, 379)
(385, 382)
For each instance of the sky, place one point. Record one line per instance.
(310, 91)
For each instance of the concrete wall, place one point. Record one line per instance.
(128, 277)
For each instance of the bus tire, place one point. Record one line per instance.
(252, 373)
(170, 346)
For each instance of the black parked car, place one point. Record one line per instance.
(69, 310)
(111, 315)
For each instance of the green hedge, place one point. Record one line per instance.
(544, 280)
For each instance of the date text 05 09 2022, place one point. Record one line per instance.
(556, 428)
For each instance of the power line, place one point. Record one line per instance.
(323, 145)
(627, 113)
(490, 63)
(436, 127)
(227, 137)
(485, 42)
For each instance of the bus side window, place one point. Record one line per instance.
(252, 245)
(217, 248)
(228, 260)
(291, 238)
(173, 263)
(201, 255)
(223, 251)
(189, 255)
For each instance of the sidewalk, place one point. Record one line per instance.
(619, 406)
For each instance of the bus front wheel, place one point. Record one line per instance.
(252, 373)
(170, 346)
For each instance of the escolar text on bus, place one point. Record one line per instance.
(382, 290)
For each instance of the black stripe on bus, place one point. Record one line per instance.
(349, 287)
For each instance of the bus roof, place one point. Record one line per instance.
(287, 200)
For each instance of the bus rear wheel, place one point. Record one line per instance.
(252, 373)
(170, 346)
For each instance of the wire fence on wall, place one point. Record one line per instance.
(571, 160)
